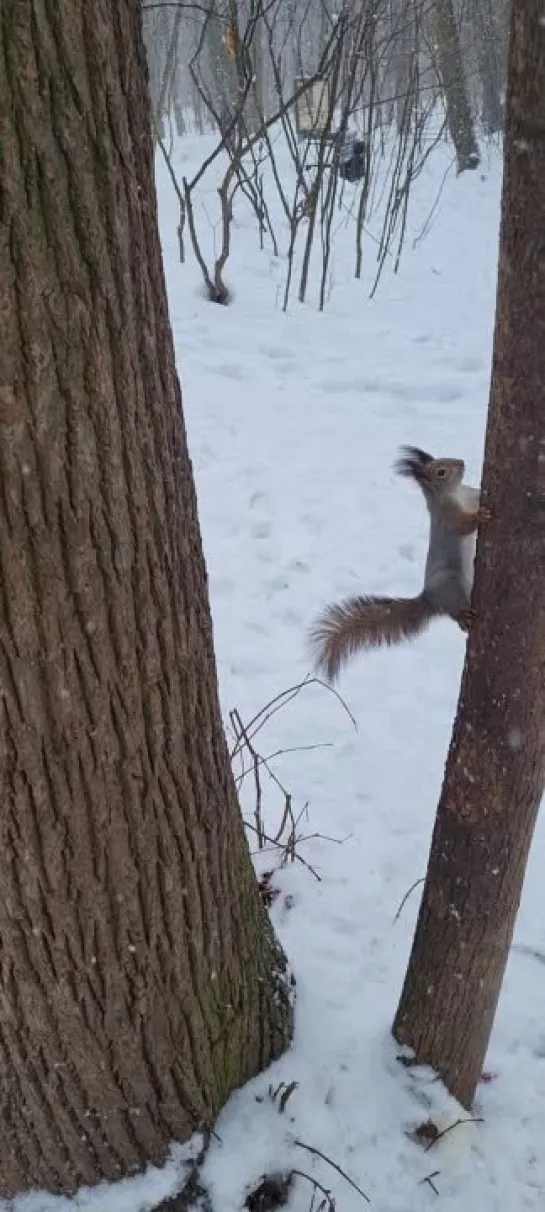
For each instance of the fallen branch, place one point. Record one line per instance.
(318, 1153)
(457, 1123)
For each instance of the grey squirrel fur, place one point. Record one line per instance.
(369, 622)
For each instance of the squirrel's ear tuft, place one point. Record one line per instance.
(412, 462)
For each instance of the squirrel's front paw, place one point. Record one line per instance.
(465, 619)
(483, 515)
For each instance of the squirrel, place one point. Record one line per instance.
(369, 622)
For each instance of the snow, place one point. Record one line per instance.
(136, 1194)
(294, 421)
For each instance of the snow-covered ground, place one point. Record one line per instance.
(294, 421)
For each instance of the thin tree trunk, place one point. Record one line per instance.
(451, 70)
(402, 42)
(140, 981)
(169, 71)
(496, 765)
(492, 108)
(217, 73)
(490, 58)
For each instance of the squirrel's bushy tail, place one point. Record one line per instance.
(365, 622)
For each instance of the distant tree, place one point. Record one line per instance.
(487, 29)
(451, 71)
(140, 980)
(495, 771)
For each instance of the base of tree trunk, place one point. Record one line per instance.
(141, 982)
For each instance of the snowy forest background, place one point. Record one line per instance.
(376, 86)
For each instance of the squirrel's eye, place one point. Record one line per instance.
(440, 472)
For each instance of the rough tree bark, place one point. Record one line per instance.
(451, 71)
(495, 770)
(140, 981)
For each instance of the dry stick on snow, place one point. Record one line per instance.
(457, 1123)
(296, 749)
(325, 837)
(428, 1178)
(241, 734)
(244, 740)
(266, 760)
(283, 1093)
(292, 839)
(278, 846)
(244, 744)
(288, 847)
(285, 696)
(318, 1153)
(328, 1197)
(238, 728)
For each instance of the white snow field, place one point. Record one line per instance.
(294, 421)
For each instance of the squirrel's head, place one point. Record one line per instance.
(429, 472)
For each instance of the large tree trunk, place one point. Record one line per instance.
(496, 765)
(140, 981)
(451, 70)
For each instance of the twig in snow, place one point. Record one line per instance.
(282, 1093)
(533, 952)
(328, 1200)
(318, 1153)
(456, 1124)
(286, 696)
(286, 837)
(271, 841)
(429, 1179)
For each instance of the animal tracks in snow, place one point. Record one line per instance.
(465, 366)
(283, 360)
(230, 370)
(418, 392)
(278, 353)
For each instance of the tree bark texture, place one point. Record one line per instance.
(451, 70)
(140, 981)
(496, 764)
